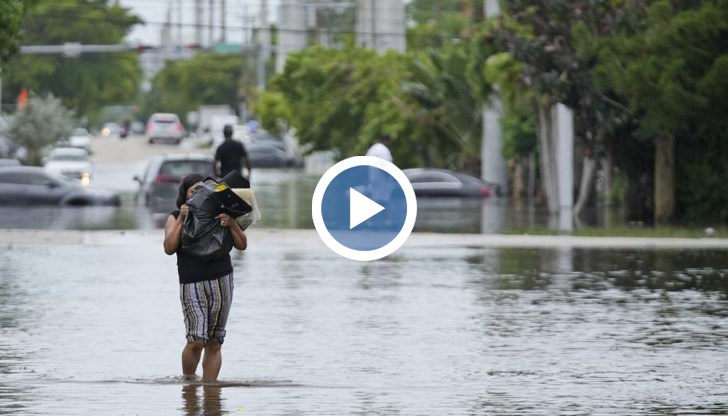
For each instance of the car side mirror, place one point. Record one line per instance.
(137, 178)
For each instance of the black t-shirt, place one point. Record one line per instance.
(230, 154)
(192, 270)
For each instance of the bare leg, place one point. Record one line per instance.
(191, 357)
(212, 361)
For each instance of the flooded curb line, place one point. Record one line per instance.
(308, 239)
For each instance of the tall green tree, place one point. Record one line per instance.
(435, 23)
(207, 78)
(340, 99)
(551, 42)
(673, 71)
(438, 95)
(86, 82)
(12, 13)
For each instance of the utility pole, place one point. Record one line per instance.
(210, 39)
(198, 22)
(179, 23)
(223, 12)
(263, 43)
(492, 163)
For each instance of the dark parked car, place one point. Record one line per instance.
(28, 185)
(446, 183)
(267, 154)
(270, 151)
(160, 182)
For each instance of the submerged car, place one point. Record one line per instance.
(159, 184)
(71, 162)
(447, 183)
(270, 151)
(267, 154)
(31, 186)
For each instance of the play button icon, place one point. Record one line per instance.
(364, 208)
(361, 208)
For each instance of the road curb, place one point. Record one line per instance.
(308, 239)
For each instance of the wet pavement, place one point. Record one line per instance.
(91, 324)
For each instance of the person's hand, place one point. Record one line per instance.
(184, 210)
(225, 220)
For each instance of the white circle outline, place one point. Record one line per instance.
(364, 255)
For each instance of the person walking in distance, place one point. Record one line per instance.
(379, 188)
(380, 149)
(206, 288)
(230, 154)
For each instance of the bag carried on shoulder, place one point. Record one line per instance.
(202, 235)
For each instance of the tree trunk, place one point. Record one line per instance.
(548, 166)
(531, 177)
(664, 180)
(587, 181)
(517, 189)
(607, 168)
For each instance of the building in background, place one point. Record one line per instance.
(379, 24)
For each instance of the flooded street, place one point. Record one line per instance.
(465, 323)
(94, 326)
(284, 196)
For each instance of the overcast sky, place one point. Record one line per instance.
(154, 12)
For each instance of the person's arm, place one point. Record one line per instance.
(216, 164)
(240, 240)
(173, 230)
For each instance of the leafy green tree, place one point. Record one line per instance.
(550, 43)
(11, 19)
(339, 99)
(672, 70)
(438, 95)
(87, 82)
(436, 22)
(207, 78)
(41, 122)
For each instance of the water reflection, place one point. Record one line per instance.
(431, 330)
(202, 400)
(284, 197)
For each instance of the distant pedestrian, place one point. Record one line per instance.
(206, 287)
(230, 155)
(380, 149)
(380, 188)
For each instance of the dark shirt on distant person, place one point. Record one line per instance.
(231, 154)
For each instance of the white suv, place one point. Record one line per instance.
(164, 127)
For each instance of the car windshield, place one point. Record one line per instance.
(69, 157)
(80, 132)
(184, 167)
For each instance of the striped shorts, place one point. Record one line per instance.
(206, 306)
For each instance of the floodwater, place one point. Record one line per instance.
(97, 329)
(284, 197)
